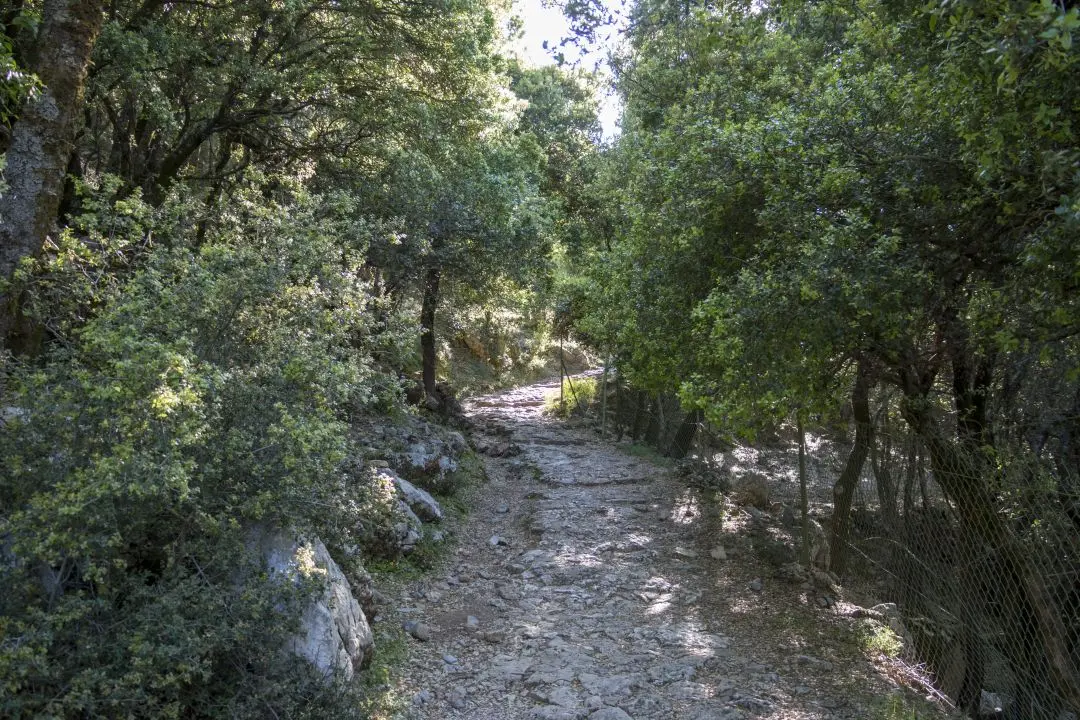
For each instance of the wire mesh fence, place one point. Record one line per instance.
(984, 569)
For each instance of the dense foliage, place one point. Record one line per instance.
(235, 222)
(246, 204)
(814, 200)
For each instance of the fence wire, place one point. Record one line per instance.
(987, 584)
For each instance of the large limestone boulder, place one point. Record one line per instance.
(334, 634)
(420, 501)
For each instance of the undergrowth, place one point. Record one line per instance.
(576, 398)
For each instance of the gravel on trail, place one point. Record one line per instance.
(588, 583)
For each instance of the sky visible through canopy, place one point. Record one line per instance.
(546, 23)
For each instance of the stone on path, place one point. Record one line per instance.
(610, 713)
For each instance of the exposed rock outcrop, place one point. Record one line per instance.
(334, 634)
(420, 501)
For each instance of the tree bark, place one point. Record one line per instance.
(684, 438)
(881, 460)
(41, 142)
(654, 428)
(639, 416)
(805, 555)
(844, 489)
(428, 305)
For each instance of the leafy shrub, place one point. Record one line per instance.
(210, 391)
(578, 395)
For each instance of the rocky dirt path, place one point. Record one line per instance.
(589, 583)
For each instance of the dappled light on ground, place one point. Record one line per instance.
(605, 584)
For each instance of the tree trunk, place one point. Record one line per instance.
(844, 490)
(881, 461)
(910, 473)
(41, 142)
(603, 397)
(805, 555)
(684, 438)
(654, 429)
(618, 407)
(428, 304)
(639, 416)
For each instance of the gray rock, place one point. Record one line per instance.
(811, 661)
(417, 629)
(756, 585)
(457, 442)
(509, 669)
(10, 414)
(563, 696)
(990, 704)
(418, 500)
(615, 686)
(610, 713)
(418, 456)
(458, 698)
(422, 698)
(334, 634)
(670, 672)
(450, 659)
(554, 712)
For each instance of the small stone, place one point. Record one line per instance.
(554, 712)
(472, 622)
(496, 540)
(458, 698)
(718, 553)
(756, 585)
(421, 698)
(813, 662)
(610, 713)
(563, 696)
(685, 552)
(503, 508)
(449, 659)
(418, 630)
(433, 596)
